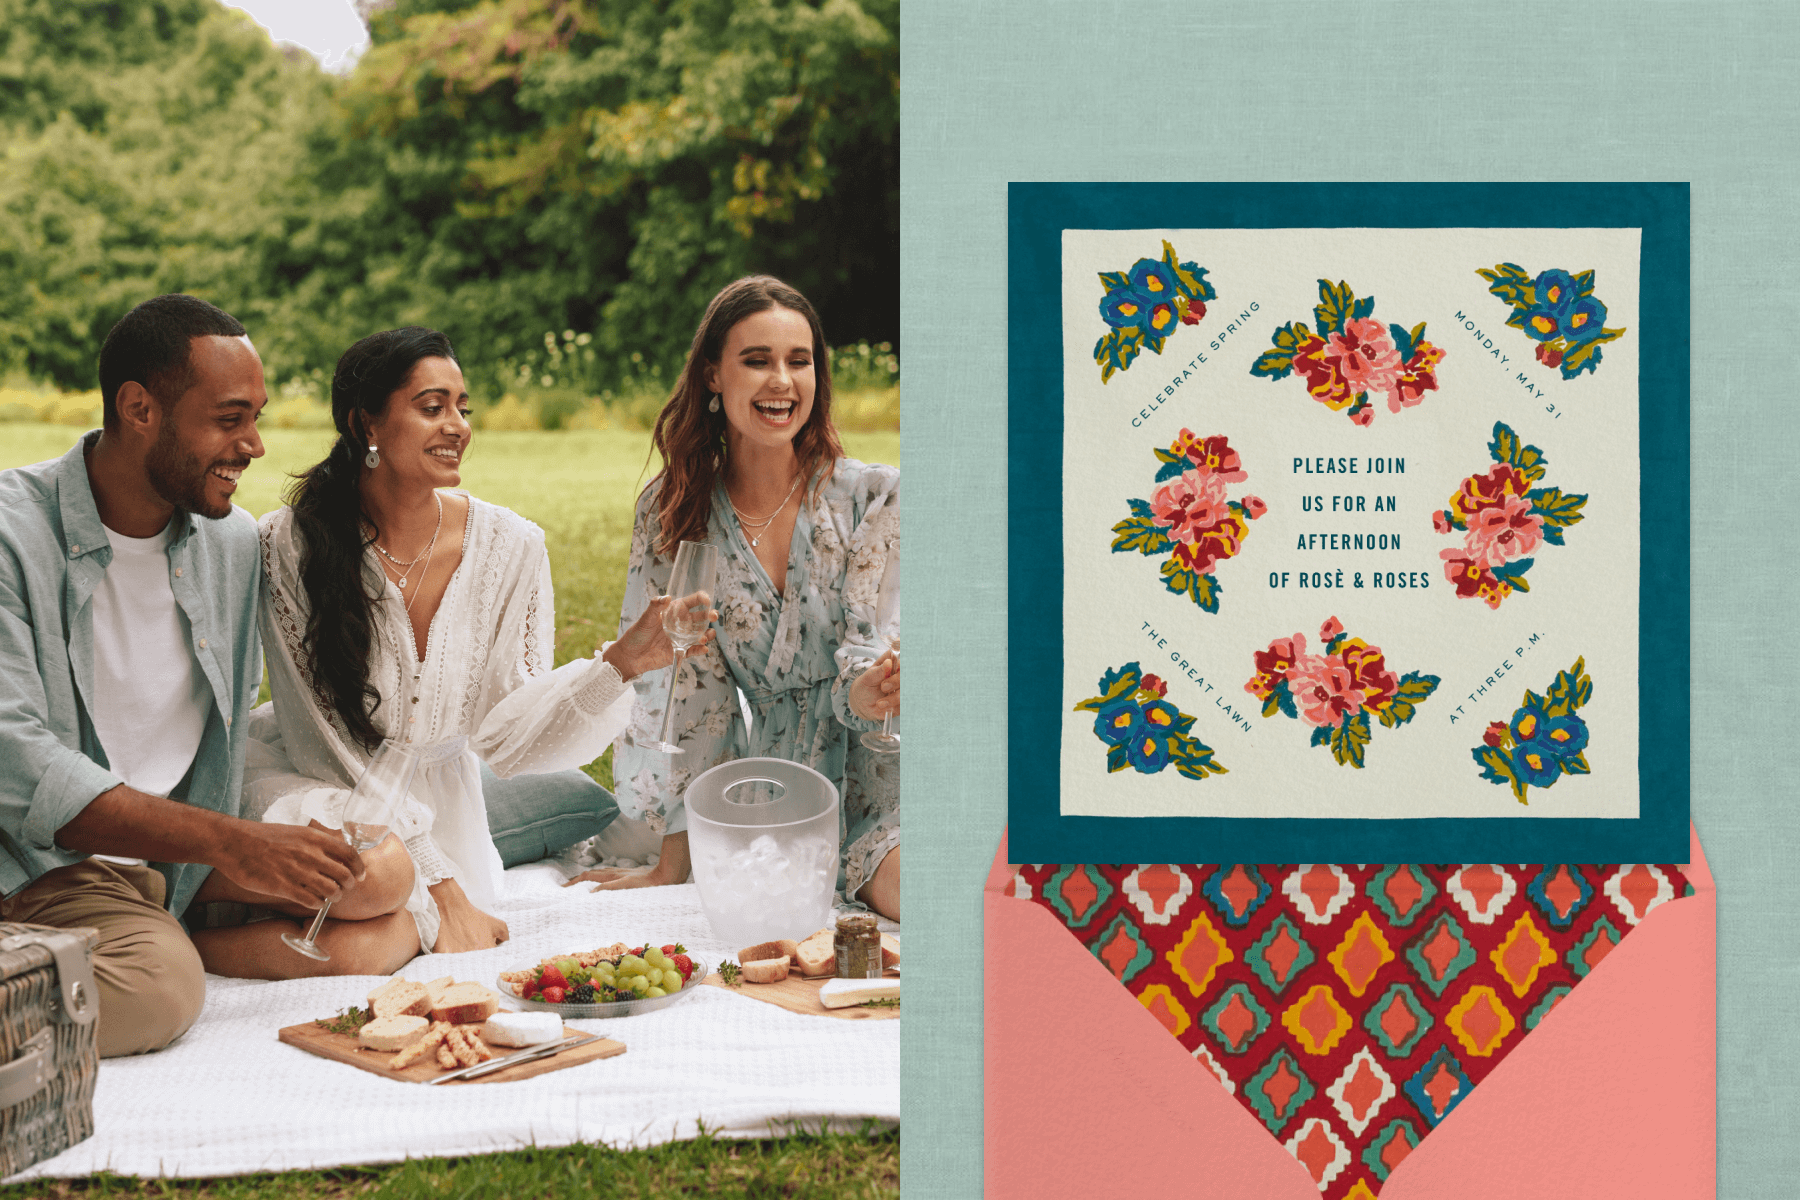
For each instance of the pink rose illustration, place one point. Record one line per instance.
(1440, 521)
(1273, 664)
(1365, 357)
(1254, 507)
(1191, 504)
(1324, 689)
(1330, 629)
(1504, 532)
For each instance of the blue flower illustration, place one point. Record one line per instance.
(1125, 308)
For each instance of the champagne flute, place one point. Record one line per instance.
(887, 627)
(367, 814)
(691, 582)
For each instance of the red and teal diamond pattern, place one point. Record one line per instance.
(1350, 1008)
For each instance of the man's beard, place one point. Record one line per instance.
(180, 478)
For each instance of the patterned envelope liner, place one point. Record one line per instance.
(1350, 1008)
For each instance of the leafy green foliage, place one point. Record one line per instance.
(1279, 362)
(1194, 760)
(560, 185)
(1570, 690)
(1496, 767)
(1202, 589)
(1509, 447)
(1350, 739)
(1513, 573)
(1510, 282)
(1141, 534)
(1114, 685)
(1558, 508)
(1414, 690)
(1334, 307)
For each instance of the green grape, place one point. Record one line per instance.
(673, 985)
(565, 965)
(654, 992)
(639, 984)
(656, 957)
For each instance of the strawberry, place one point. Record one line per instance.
(552, 978)
(669, 949)
(553, 995)
(684, 964)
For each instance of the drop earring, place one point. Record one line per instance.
(713, 406)
(372, 459)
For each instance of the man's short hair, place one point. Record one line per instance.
(151, 346)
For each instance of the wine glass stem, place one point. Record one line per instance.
(318, 921)
(885, 719)
(669, 708)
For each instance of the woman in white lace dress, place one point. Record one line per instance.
(395, 610)
(751, 463)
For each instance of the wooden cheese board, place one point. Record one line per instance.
(801, 995)
(344, 1048)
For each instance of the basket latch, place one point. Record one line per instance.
(26, 1075)
(76, 1001)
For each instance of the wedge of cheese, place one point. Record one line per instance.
(522, 1028)
(843, 993)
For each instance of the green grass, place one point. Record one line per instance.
(803, 1167)
(580, 487)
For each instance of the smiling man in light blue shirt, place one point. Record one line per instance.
(128, 662)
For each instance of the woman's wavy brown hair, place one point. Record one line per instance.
(691, 440)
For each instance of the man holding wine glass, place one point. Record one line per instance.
(128, 592)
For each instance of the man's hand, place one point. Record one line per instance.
(645, 646)
(462, 926)
(299, 864)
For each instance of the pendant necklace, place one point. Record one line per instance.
(406, 567)
(760, 524)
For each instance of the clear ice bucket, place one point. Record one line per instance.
(763, 835)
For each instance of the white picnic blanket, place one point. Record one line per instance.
(228, 1098)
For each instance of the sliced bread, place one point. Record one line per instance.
(392, 1033)
(400, 998)
(890, 951)
(816, 955)
(768, 950)
(465, 1004)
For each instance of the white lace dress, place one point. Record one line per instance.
(486, 674)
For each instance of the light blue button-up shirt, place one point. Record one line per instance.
(53, 554)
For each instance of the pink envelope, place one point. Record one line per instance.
(1612, 1095)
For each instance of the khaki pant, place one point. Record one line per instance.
(148, 973)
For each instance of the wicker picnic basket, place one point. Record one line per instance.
(49, 1058)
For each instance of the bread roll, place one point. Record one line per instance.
(400, 998)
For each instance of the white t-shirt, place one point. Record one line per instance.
(150, 696)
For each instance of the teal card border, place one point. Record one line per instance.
(1037, 214)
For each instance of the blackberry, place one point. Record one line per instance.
(582, 994)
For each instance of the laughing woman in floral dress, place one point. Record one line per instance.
(752, 464)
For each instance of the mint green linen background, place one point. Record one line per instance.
(1061, 90)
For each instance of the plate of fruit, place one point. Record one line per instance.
(614, 981)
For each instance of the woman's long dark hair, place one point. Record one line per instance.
(691, 440)
(331, 524)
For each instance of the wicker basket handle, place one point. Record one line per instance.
(74, 971)
(26, 1075)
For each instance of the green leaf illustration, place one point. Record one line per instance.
(1333, 307)
(1403, 342)
(1321, 735)
(1576, 764)
(1510, 282)
(1497, 768)
(1584, 284)
(1169, 456)
(1117, 757)
(1513, 573)
(1195, 760)
(1505, 444)
(1144, 536)
(1571, 689)
(1113, 686)
(1112, 281)
(1272, 702)
(1350, 739)
(1414, 690)
(1557, 507)
(1586, 356)
(1141, 508)
(1362, 308)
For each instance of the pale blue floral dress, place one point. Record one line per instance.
(793, 656)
